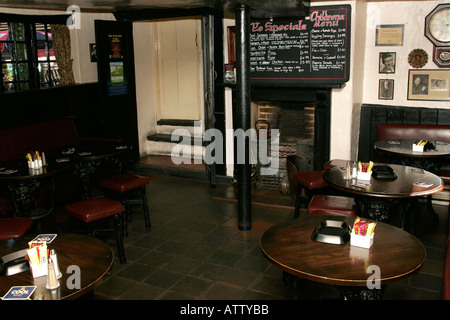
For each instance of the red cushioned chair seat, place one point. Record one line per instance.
(322, 205)
(11, 228)
(311, 179)
(124, 182)
(94, 209)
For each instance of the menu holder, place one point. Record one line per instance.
(421, 146)
(332, 231)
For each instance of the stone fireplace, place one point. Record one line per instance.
(302, 116)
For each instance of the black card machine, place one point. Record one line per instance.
(14, 263)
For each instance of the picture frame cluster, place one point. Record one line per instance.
(423, 84)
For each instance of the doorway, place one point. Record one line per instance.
(179, 69)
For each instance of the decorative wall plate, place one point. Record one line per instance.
(417, 58)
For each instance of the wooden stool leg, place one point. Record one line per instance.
(298, 200)
(124, 215)
(148, 224)
(120, 248)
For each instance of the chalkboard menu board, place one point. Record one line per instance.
(293, 51)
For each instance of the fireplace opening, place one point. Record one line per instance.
(302, 116)
(295, 122)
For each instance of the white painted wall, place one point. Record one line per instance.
(144, 54)
(362, 88)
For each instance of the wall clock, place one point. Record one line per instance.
(437, 30)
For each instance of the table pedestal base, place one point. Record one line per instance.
(24, 195)
(381, 209)
(361, 293)
(373, 208)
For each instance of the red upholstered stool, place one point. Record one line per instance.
(327, 205)
(123, 183)
(97, 209)
(11, 228)
(308, 181)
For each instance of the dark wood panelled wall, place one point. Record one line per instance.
(79, 101)
(372, 115)
(82, 102)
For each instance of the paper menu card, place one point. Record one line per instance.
(45, 238)
(19, 293)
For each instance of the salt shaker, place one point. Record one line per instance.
(354, 170)
(55, 263)
(348, 172)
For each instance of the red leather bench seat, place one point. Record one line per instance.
(434, 132)
(446, 272)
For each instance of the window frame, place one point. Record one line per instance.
(31, 43)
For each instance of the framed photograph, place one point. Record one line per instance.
(386, 89)
(387, 62)
(430, 84)
(389, 35)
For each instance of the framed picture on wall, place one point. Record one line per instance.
(429, 85)
(386, 89)
(389, 35)
(387, 62)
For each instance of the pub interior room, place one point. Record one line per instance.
(224, 150)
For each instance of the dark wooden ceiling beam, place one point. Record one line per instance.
(150, 14)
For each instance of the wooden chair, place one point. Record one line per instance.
(303, 181)
(124, 183)
(100, 209)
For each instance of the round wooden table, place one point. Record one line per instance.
(92, 256)
(400, 152)
(289, 246)
(375, 200)
(23, 184)
(87, 157)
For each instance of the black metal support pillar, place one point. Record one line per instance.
(243, 115)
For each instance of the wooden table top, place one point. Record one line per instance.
(17, 170)
(91, 151)
(402, 187)
(403, 147)
(289, 246)
(93, 256)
